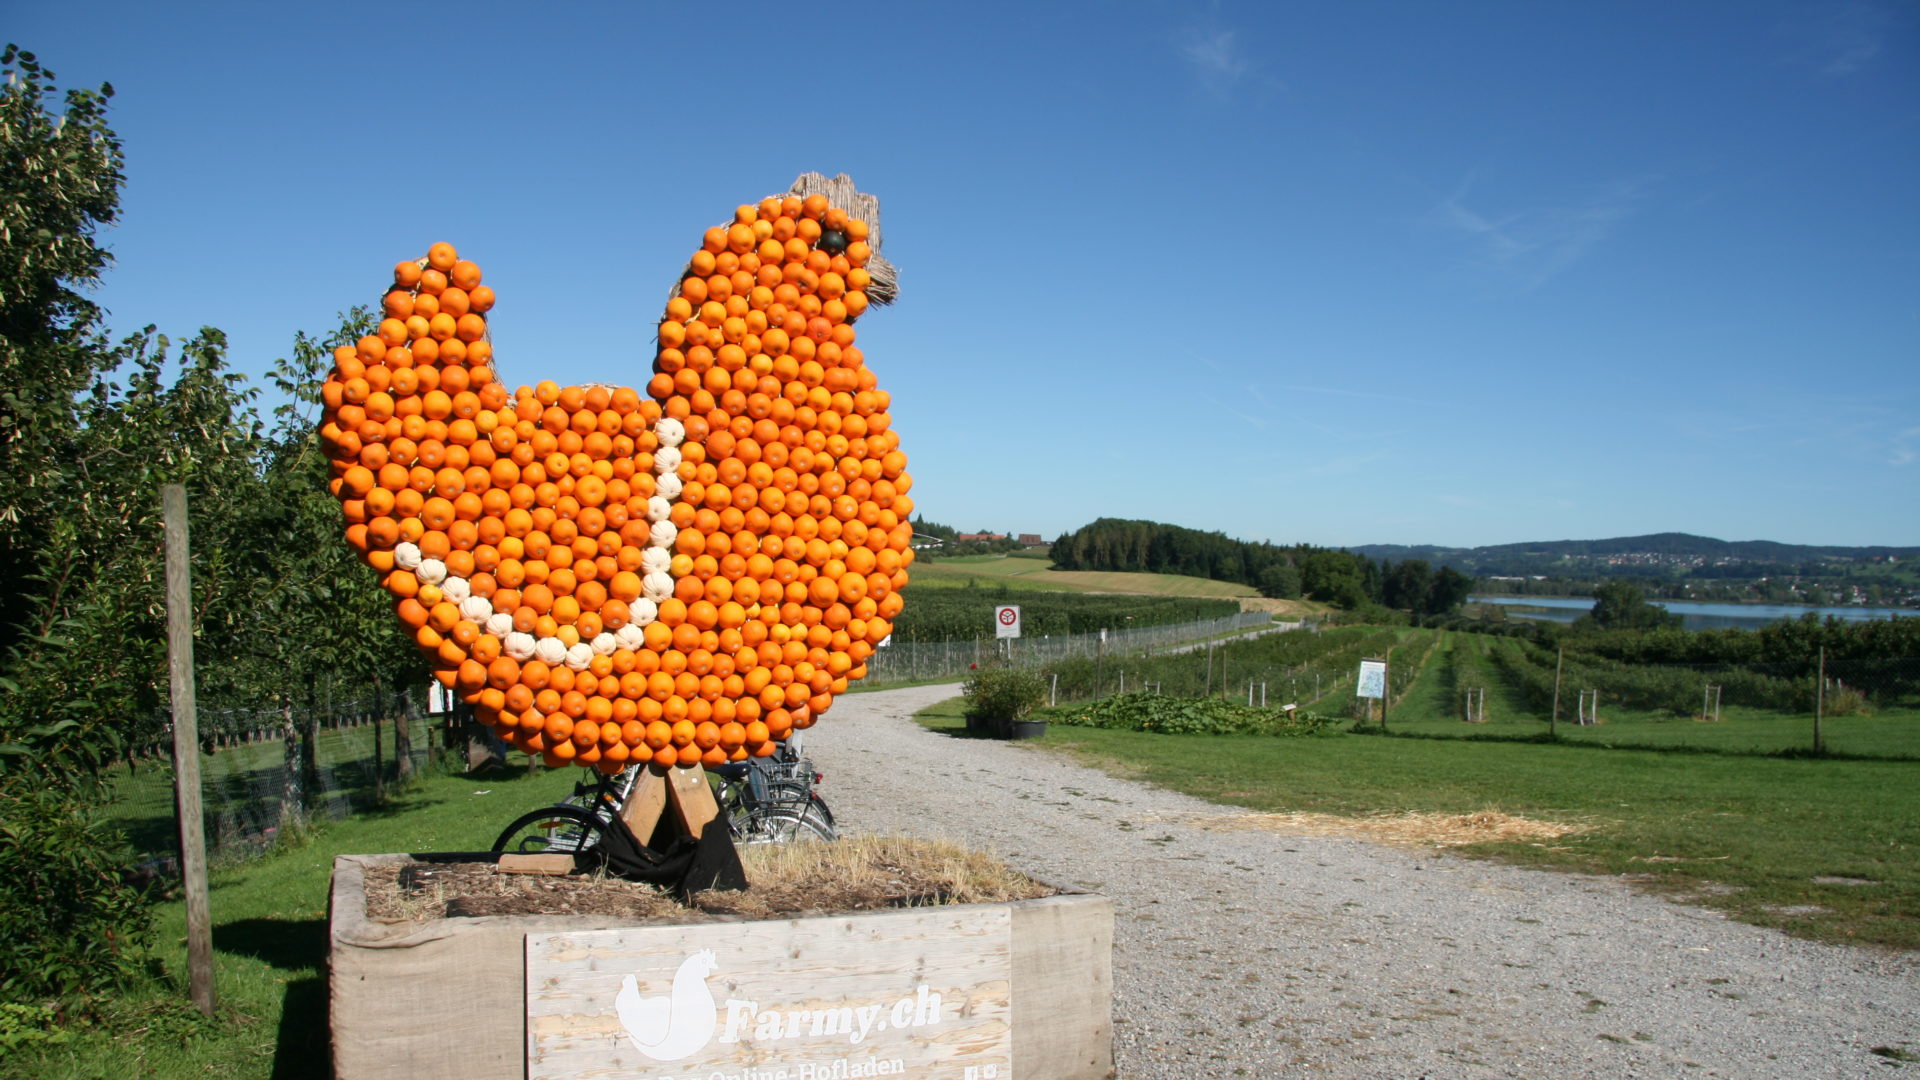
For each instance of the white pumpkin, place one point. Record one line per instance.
(518, 645)
(550, 651)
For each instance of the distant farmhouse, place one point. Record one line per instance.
(1031, 540)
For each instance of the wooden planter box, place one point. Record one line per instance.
(1027, 984)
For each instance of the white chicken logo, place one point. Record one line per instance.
(674, 1025)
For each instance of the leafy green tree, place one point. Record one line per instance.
(1373, 577)
(1333, 577)
(69, 927)
(1450, 589)
(1280, 581)
(313, 614)
(1621, 605)
(59, 184)
(1406, 584)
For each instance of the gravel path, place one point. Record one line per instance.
(1243, 953)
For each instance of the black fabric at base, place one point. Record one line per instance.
(682, 864)
(625, 857)
(716, 865)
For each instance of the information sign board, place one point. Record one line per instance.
(1373, 679)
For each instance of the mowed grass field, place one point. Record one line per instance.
(1020, 572)
(1036, 574)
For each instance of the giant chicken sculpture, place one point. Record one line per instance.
(682, 574)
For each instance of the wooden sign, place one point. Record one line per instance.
(923, 993)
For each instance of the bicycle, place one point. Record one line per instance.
(772, 800)
(587, 825)
(576, 826)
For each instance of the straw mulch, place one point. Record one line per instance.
(1408, 829)
(859, 874)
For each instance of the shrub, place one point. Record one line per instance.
(1003, 693)
(70, 927)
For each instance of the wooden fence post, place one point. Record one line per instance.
(1820, 701)
(1553, 721)
(186, 749)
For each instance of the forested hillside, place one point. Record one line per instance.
(1154, 548)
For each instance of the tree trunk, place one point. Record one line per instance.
(309, 738)
(403, 736)
(293, 807)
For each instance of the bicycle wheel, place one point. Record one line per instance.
(553, 830)
(785, 824)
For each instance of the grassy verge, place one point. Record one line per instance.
(270, 946)
(1822, 848)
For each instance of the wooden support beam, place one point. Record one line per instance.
(186, 748)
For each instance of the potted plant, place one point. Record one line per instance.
(1000, 699)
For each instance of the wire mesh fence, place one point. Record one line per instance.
(929, 661)
(268, 771)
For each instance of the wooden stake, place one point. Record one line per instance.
(1553, 721)
(1820, 701)
(645, 803)
(186, 749)
(1386, 684)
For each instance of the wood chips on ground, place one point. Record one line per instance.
(1414, 828)
(860, 874)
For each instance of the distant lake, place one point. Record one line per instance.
(1698, 614)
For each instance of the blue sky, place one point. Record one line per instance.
(1336, 273)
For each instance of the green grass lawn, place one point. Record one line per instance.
(270, 945)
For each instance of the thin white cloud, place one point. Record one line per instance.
(1344, 392)
(1342, 466)
(1214, 54)
(1228, 410)
(1216, 57)
(1856, 430)
(1901, 449)
(1839, 40)
(1534, 245)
